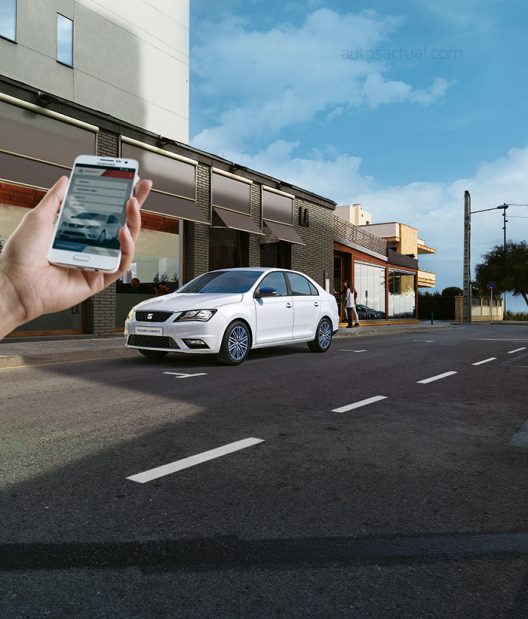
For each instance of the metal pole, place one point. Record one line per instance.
(466, 313)
(504, 207)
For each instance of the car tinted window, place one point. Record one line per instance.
(275, 280)
(300, 286)
(222, 281)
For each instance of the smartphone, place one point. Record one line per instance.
(92, 212)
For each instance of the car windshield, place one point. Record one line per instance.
(98, 216)
(222, 281)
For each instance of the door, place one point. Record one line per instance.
(306, 306)
(274, 314)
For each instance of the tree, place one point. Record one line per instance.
(452, 291)
(509, 270)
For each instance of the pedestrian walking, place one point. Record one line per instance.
(350, 296)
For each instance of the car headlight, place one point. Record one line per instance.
(200, 315)
(131, 314)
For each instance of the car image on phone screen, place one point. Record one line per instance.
(93, 211)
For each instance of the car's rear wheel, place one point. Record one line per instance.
(152, 354)
(235, 344)
(323, 336)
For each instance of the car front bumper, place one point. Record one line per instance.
(185, 337)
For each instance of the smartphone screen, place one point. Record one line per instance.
(94, 209)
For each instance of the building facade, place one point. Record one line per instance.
(203, 213)
(381, 261)
(129, 60)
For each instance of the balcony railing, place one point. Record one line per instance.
(348, 232)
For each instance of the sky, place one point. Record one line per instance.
(399, 105)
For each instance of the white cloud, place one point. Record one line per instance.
(267, 81)
(436, 209)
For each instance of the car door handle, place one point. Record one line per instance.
(316, 303)
(288, 304)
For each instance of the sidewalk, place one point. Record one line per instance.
(20, 352)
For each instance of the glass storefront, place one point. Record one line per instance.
(369, 282)
(155, 270)
(402, 294)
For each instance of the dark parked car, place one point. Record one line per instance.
(367, 313)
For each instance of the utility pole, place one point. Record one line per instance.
(466, 313)
(504, 207)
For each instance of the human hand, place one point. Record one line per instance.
(31, 286)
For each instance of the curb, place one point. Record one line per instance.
(66, 356)
(17, 361)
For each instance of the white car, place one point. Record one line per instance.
(90, 226)
(232, 311)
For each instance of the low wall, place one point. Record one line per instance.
(483, 309)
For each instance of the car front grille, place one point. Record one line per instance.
(143, 316)
(152, 341)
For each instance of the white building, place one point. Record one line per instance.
(129, 60)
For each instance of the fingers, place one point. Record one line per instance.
(129, 233)
(142, 191)
(50, 203)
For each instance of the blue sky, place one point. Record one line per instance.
(400, 105)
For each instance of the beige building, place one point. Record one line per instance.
(401, 238)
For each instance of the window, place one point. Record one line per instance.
(300, 286)
(8, 19)
(275, 280)
(64, 40)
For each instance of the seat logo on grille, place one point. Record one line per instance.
(149, 316)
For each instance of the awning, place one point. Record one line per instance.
(282, 232)
(235, 221)
(173, 206)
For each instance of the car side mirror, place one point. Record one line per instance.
(266, 292)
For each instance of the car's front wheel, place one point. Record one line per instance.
(152, 354)
(235, 344)
(323, 337)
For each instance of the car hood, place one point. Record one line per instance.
(176, 302)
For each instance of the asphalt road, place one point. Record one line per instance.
(367, 494)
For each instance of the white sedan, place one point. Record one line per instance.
(232, 311)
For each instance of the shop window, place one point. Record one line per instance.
(64, 40)
(8, 19)
(402, 294)
(155, 268)
(228, 248)
(276, 255)
(369, 282)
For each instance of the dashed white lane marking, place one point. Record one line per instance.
(484, 361)
(186, 463)
(350, 350)
(510, 352)
(349, 407)
(424, 341)
(182, 375)
(500, 339)
(520, 439)
(437, 377)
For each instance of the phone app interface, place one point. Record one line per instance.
(94, 209)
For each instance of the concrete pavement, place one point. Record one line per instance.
(19, 352)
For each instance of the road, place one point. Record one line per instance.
(371, 489)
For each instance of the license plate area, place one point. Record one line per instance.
(148, 331)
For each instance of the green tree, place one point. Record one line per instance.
(509, 270)
(452, 291)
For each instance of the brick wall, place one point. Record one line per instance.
(254, 239)
(196, 236)
(14, 195)
(101, 308)
(316, 256)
